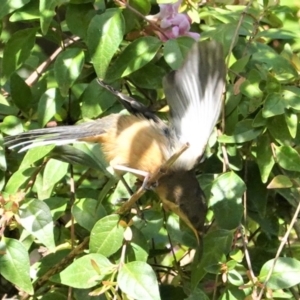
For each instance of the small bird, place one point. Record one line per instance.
(141, 142)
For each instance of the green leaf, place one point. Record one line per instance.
(274, 105)
(67, 68)
(35, 154)
(148, 77)
(78, 18)
(138, 281)
(20, 93)
(82, 273)
(276, 34)
(96, 100)
(184, 237)
(220, 241)
(285, 275)
(278, 129)
(288, 158)
(35, 217)
(291, 96)
(51, 101)
(226, 202)
(54, 171)
(107, 236)
(291, 120)
(14, 264)
(135, 56)
(11, 125)
(244, 132)
(280, 182)
(235, 278)
(8, 6)
(250, 87)
(138, 249)
(175, 51)
(57, 206)
(47, 12)
(30, 11)
(87, 212)
(17, 180)
(150, 224)
(16, 51)
(7, 108)
(264, 157)
(281, 68)
(104, 35)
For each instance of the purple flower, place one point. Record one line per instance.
(174, 24)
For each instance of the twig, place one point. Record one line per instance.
(126, 5)
(280, 248)
(40, 69)
(154, 178)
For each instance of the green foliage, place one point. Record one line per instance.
(59, 221)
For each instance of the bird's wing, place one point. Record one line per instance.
(194, 93)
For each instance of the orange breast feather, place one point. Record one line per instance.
(136, 143)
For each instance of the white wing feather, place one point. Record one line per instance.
(194, 93)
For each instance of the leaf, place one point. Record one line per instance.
(54, 171)
(274, 34)
(150, 224)
(47, 12)
(14, 264)
(96, 100)
(264, 157)
(49, 105)
(17, 180)
(11, 125)
(20, 93)
(291, 120)
(135, 56)
(244, 132)
(148, 77)
(280, 182)
(226, 202)
(16, 51)
(67, 68)
(107, 236)
(35, 217)
(8, 6)
(285, 275)
(6, 107)
(138, 249)
(250, 87)
(274, 105)
(288, 158)
(138, 281)
(87, 212)
(220, 241)
(175, 51)
(35, 154)
(78, 18)
(81, 273)
(104, 35)
(30, 11)
(57, 206)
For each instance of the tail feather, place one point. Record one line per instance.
(61, 135)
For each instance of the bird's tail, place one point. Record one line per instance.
(60, 135)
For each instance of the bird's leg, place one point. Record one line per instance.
(136, 172)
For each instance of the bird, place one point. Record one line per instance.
(140, 142)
